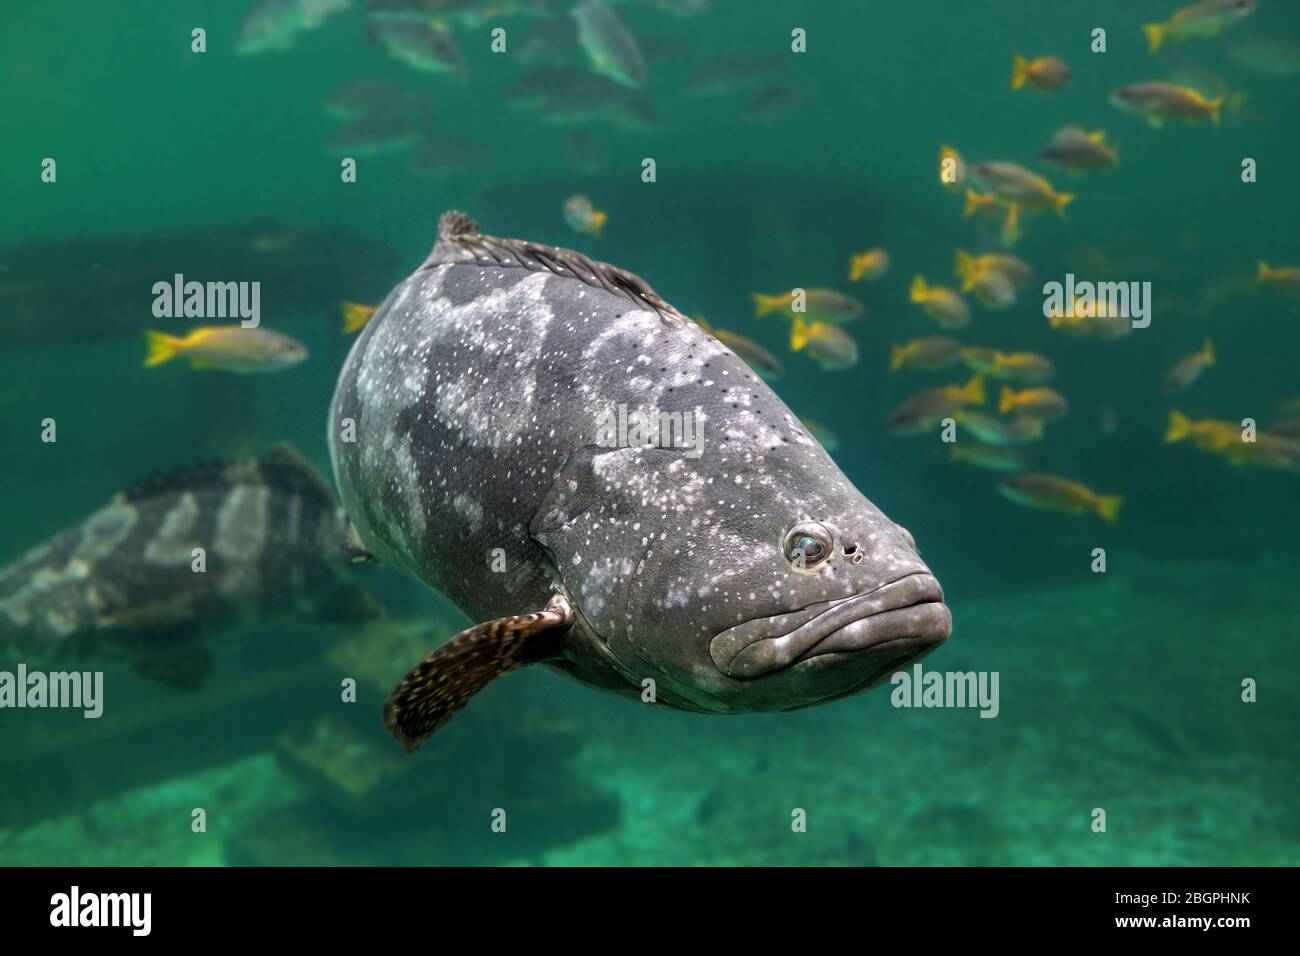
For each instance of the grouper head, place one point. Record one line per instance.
(747, 579)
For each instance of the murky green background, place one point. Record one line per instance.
(1118, 690)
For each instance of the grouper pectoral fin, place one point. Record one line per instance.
(445, 681)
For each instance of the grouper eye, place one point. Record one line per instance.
(808, 544)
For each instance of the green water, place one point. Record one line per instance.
(1119, 690)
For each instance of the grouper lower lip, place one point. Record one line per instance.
(910, 608)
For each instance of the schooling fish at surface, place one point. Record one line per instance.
(122, 585)
(745, 573)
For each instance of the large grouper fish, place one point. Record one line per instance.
(124, 586)
(471, 439)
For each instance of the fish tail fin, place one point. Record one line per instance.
(162, 347)
(1060, 201)
(1265, 272)
(1108, 507)
(857, 265)
(1006, 401)
(974, 203)
(1155, 35)
(355, 316)
(973, 391)
(897, 356)
(798, 334)
(1207, 353)
(1180, 426)
(1019, 71)
(763, 304)
(598, 223)
(919, 290)
(1215, 106)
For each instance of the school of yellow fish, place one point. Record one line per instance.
(1026, 405)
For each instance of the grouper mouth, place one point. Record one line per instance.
(896, 622)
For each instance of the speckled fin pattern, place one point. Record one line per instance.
(445, 680)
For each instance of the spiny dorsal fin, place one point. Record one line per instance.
(286, 469)
(455, 224)
(214, 473)
(283, 468)
(444, 681)
(459, 240)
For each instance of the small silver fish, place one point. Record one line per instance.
(610, 46)
(423, 46)
(373, 136)
(1077, 150)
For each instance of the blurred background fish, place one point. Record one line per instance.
(828, 345)
(273, 25)
(1054, 493)
(123, 585)
(1043, 73)
(1157, 101)
(366, 99)
(1269, 55)
(940, 303)
(1208, 18)
(815, 305)
(991, 430)
(1026, 367)
(924, 409)
(731, 74)
(583, 217)
(226, 348)
(421, 45)
(1188, 369)
(1079, 151)
(926, 354)
(758, 358)
(612, 49)
(1013, 183)
(990, 457)
(1284, 279)
(868, 266)
(373, 136)
(1043, 404)
(356, 315)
